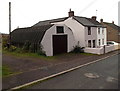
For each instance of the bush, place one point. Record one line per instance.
(5, 48)
(31, 48)
(77, 49)
(4, 41)
(40, 50)
(19, 50)
(12, 48)
(26, 46)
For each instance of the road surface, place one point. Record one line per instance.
(99, 75)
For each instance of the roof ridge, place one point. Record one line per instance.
(80, 17)
(41, 25)
(44, 22)
(111, 23)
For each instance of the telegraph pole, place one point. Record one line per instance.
(10, 23)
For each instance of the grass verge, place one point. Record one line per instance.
(33, 55)
(88, 54)
(6, 71)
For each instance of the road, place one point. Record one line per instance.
(99, 75)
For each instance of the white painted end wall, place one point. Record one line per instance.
(77, 29)
(47, 41)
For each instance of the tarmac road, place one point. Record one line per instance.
(99, 75)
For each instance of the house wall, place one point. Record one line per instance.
(77, 29)
(91, 37)
(81, 33)
(95, 36)
(47, 41)
(112, 34)
(101, 36)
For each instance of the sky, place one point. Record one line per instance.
(25, 13)
(119, 13)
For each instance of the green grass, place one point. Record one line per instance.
(28, 54)
(36, 55)
(0, 72)
(5, 71)
(88, 54)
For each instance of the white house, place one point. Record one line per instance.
(62, 34)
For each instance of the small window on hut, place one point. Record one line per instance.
(60, 29)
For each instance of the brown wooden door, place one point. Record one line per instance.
(59, 44)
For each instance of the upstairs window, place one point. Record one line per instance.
(98, 30)
(89, 30)
(102, 30)
(60, 29)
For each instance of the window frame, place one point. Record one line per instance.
(99, 42)
(94, 43)
(89, 45)
(89, 30)
(99, 30)
(102, 30)
(58, 30)
(103, 41)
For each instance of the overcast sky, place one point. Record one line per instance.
(25, 13)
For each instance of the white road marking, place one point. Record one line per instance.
(111, 79)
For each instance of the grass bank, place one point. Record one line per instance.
(5, 71)
(29, 54)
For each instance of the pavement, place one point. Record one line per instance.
(39, 73)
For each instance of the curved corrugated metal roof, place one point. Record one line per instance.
(31, 34)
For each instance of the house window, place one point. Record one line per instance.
(102, 30)
(103, 41)
(89, 43)
(98, 30)
(93, 43)
(89, 30)
(99, 42)
(60, 29)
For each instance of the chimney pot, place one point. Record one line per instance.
(70, 13)
(94, 17)
(113, 22)
(101, 20)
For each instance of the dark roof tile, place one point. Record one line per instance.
(46, 22)
(88, 21)
(112, 25)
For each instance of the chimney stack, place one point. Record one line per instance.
(112, 22)
(94, 18)
(70, 13)
(101, 20)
